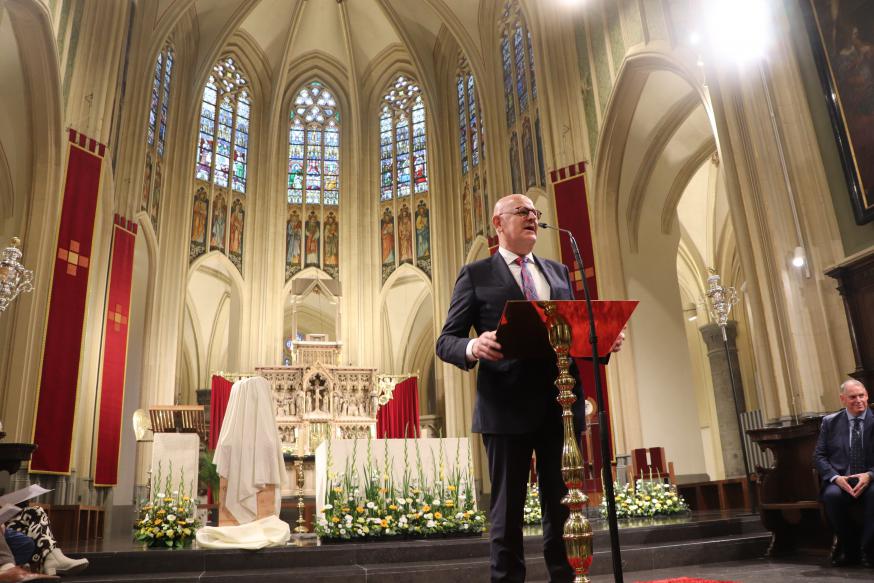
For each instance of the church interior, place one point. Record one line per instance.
(223, 183)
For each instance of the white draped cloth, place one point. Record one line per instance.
(267, 532)
(249, 452)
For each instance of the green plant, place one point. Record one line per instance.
(207, 476)
(168, 518)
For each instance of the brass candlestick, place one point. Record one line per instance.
(301, 522)
(577, 530)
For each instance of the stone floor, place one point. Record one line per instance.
(792, 570)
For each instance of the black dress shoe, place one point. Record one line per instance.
(845, 560)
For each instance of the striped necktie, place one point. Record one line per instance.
(528, 287)
(857, 457)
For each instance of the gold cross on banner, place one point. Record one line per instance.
(73, 258)
(577, 279)
(117, 318)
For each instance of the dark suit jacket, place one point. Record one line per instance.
(512, 396)
(832, 453)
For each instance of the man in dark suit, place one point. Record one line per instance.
(516, 410)
(844, 457)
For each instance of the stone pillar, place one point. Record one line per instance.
(726, 417)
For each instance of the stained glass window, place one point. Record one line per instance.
(403, 175)
(221, 167)
(473, 196)
(313, 181)
(156, 133)
(223, 139)
(520, 97)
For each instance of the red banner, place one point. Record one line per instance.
(399, 418)
(572, 212)
(115, 335)
(218, 404)
(59, 384)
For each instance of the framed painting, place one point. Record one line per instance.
(842, 37)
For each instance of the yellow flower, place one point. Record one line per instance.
(345, 509)
(438, 515)
(384, 523)
(451, 488)
(426, 508)
(392, 507)
(335, 520)
(360, 509)
(449, 504)
(338, 490)
(157, 521)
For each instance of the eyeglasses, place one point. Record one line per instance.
(524, 211)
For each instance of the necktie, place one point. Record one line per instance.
(528, 287)
(857, 458)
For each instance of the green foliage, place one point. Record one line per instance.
(207, 476)
(169, 518)
(646, 498)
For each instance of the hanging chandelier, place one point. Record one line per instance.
(14, 277)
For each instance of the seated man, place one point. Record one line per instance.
(844, 457)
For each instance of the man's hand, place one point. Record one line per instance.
(617, 344)
(864, 481)
(841, 482)
(486, 347)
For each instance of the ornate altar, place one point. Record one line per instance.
(316, 398)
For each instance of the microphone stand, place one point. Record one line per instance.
(606, 474)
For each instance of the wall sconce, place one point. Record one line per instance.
(14, 277)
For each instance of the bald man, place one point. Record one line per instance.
(516, 410)
(844, 457)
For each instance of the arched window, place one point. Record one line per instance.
(221, 167)
(156, 134)
(312, 233)
(403, 167)
(520, 100)
(475, 202)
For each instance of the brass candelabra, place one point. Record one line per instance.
(301, 527)
(577, 530)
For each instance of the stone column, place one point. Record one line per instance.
(726, 417)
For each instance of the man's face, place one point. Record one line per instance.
(516, 228)
(855, 399)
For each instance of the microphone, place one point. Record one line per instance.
(577, 257)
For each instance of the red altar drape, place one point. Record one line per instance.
(399, 417)
(218, 404)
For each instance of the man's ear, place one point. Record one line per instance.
(496, 222)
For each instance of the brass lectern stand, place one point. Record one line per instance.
(536, 330)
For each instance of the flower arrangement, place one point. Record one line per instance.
(533, 513)
(168, 518)
(646, 498)
(414, 506)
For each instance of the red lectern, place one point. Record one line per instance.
(538, 329)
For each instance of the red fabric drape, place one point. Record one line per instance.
(572, 213)
(218, 404)
(401, 413)
(59, 385)
(115, 352)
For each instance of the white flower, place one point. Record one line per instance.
(160, 495)
(171, 517)
(436, 502)
(326, 507)
(371, 505)
(401, 501)
(429, 516)
(459, 515)
(430, 524)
